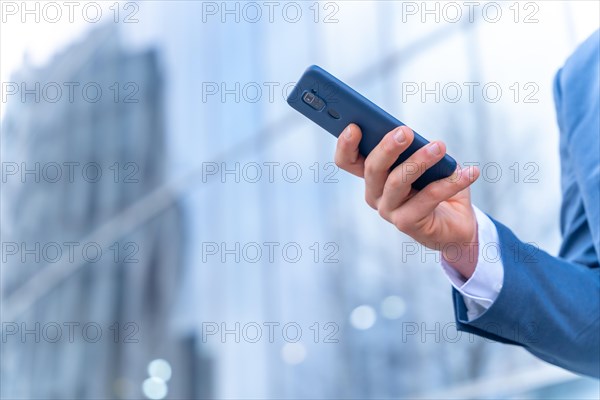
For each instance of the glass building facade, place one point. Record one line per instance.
(239, 262)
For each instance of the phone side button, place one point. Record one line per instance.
(333, 113)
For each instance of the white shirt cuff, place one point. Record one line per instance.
(481, 290)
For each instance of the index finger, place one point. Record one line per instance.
(347, 156)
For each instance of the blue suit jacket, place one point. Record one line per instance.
(551, 305)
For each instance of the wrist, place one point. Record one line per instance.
(463, 257)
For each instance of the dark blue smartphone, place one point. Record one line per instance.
(333, 105)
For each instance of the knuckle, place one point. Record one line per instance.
(422, 163)
(387, 147)
(383, 213)
(395, 180)
(400, 223)
(390, 148)
(428, 230)
(434, 190)
(411, 170)
(369, 167)
(371, 201)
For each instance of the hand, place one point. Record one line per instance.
(440, 216)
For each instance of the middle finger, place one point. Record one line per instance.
(379, 161)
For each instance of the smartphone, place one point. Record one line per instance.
(333, 105)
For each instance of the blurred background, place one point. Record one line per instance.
(171, 228)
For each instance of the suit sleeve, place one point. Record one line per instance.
(551, 305)
(548, 305)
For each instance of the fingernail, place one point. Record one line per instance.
(348, 132)
(472, 172)
(434, 149)
(400, 136)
